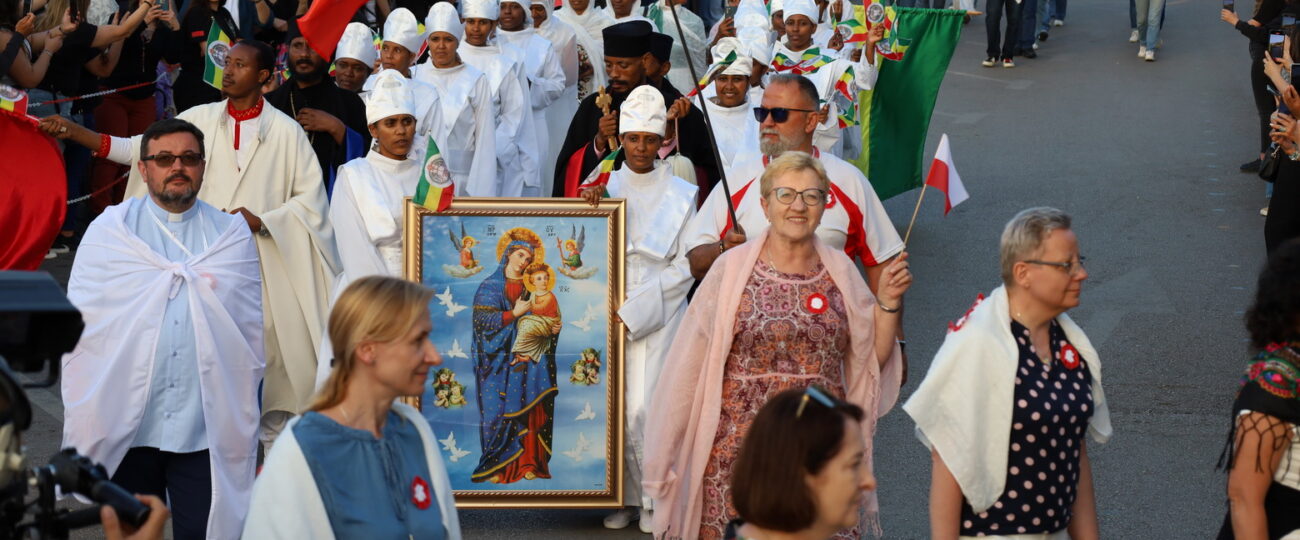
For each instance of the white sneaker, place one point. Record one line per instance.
(647, 521)
(620, 519)
(1035, 46)
(1058, 22)
(51, 254)
(1133, 38)
(1262, 211)
(1150, 56)
(1142, 51)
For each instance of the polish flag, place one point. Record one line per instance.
(943, 176)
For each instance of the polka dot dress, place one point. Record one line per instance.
(1051, 410)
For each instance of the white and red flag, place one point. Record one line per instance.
(943, 176)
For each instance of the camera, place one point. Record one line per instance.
(37, 326)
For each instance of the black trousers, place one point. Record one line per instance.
(1264, 103)
(184, 481)
(1283, 221)
(993, 25)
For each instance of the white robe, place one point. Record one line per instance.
(286, 502)
(565, 40)
(281, 185)
(696, 42)
(587, 28)
(518, 156)
(828, 133)
(734, 128)
(657, 278)
(122, 287)
(468, 111)
(366, 213)
(546, 85)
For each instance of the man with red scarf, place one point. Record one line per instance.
(261, 166)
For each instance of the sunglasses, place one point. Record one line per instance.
(779, 114)
(188, 159)
(814, 393)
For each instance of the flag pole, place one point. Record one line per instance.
(915, 211)
(717, 157)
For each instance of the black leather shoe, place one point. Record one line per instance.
(1029, 53)
(1250, 167)
(1042, 36)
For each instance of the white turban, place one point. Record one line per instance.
(357, 43)
(442, 17)
(757, 44)
(401, 28)
(480, 9)
(388, 97)
(743, 65)
(801, 7)
(643, 110)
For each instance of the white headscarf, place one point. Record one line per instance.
(743, 64)
(388, 97)
(528, 13)
(401, 28)
(806, 8)
(757, 44)
(357, 43)
(480, 9)
(590, 22)
(442, 17)
(644, 111)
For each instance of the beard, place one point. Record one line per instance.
(183, 196)
(774, 148)
(309, 75)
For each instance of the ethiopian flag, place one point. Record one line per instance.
(599, 177)
(13, 99)
(436, 187)
(895, 116)
(218, 46)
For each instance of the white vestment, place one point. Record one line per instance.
(565, 40)
(122, 287)
(468, 112)
(546, 85)
(696, 42)
(518, 156)
(367, 213)
(587, 28)
(827, 135)
(287, 504)
(657, 278)
(281, 185)
(734, 128)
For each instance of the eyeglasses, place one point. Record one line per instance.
(810, 196)
(779, 114)
(188, 159)
(820, 396)
(1071, 267)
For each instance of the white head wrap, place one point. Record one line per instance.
(545, 5)
(388, 97)
(757, 44)
(442, 17)
(752, 13)
(643, 110)
(743, 64)
(528, 13)
(401, 28)
(806, 8)
(777, 5)
(357, 43)
(480, 9)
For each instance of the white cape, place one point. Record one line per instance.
(121, 287)
(287, 503)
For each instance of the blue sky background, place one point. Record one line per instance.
(567, 473)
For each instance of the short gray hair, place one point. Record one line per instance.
(788, 162)
(1024, 235)
(804, 84)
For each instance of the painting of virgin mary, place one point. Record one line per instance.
(516, 400)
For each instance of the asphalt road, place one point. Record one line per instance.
(1144, 155)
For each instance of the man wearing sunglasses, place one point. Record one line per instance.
(627, 48)
(162, 388)
(854, 219)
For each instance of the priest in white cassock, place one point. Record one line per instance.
(398, 51)
(587, 22)
(468, 110)
(546, 80)
(659, 205)
(730, 111)
(518, 155)
(696, 44)
(565, 41)
(355, 57)
(367, 208)
(801, 22)
(261, 167)
(162, 387)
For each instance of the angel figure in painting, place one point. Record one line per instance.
(464, 244)
(571, 254)
(516, 402)
(535, 335)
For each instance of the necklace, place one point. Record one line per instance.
(311, 135)
(246, 114)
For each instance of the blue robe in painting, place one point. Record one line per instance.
(516, 403)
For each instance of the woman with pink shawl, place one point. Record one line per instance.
(778, 312)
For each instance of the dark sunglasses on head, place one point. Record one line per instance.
(779, 114)
(188, 159)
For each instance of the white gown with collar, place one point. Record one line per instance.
(518, 157)
(467, 135)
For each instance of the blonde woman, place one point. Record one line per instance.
(357, 464)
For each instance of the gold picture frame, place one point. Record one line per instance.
(502, 405)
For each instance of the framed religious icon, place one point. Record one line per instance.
(527, 405)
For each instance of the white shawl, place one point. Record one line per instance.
(963, 407)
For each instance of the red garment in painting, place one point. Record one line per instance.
(33, 192)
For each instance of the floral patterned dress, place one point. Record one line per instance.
(791, 332)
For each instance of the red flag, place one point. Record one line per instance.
(33, 192)
(943, 176)
(324, 23)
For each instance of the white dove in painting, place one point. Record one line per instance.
(445, 299)
(586, 414)
(587, 318)
(580, 448)
(449, 444)
(455, 351)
